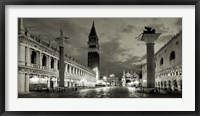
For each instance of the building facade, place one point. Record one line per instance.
(38, 65)
(93, 52)
(168, 65)
(130, 79)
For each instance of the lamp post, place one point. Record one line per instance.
(61, 40)
(149, 36)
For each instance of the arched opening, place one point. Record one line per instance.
(161, 61)
(158, 84)
(58, 65)
(68, 68)
(52, 63)
(175, 85)
(169, 85)
(128, 81)
(81, 73)
(165, 84)
(44, 60)
(33, 57)
(172, 56)
(161, 84)
(77, 71)
(72, 70)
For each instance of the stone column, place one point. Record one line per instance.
(48, 82)
(21, 54)
(49, 62)
(21, 82)
(73, 71)
(149, 39)
(77, 71)
(38, 59)
(150, 65)
(56, 64)
(41, 60)
(70, 69)
(27, 79)
(61, 66)
(28, 60)
(56, 82)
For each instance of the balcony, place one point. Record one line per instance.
(44, 67)
(35, 65)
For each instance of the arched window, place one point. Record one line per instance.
(165, 84)
(52, 63)
(58, 64)
(74, 70)
(33, 57)
(161, 61)
(68, 68)
(175, 84)
(44, 60)
(172, 55)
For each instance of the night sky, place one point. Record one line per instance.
(119, 50)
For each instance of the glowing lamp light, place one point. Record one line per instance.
(104, 77)
(136, 82)
(112, 75)
(53, 79)
(34, 80)
(144, 80)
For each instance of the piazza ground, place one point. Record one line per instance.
(102, 92)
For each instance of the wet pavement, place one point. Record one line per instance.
(100, 92)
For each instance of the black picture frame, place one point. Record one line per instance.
(99, 2)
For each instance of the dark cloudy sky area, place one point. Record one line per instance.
(119, 50)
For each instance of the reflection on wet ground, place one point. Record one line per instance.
(101, 92)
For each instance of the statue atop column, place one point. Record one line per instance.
(149, 30)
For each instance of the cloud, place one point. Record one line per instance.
(130, 28)
(118, 49)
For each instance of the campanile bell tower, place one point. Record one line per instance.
(93, 51)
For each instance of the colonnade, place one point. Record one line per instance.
(174, 85)
(34, 58)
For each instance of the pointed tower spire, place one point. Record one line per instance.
(93, 23)
(93, 30)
